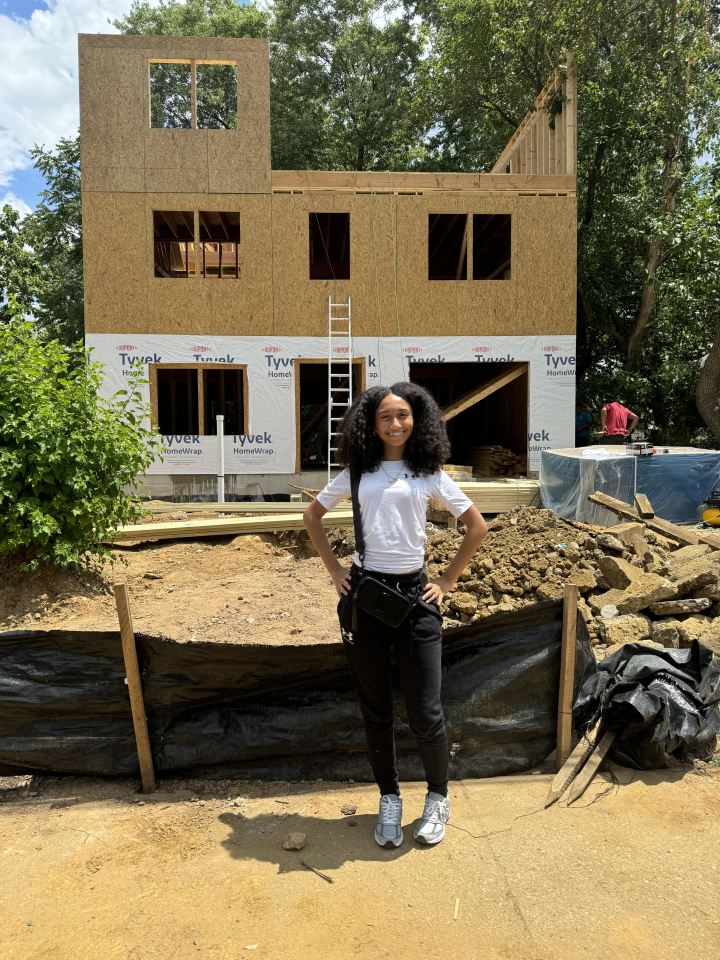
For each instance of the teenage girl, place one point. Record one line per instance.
(395, 440)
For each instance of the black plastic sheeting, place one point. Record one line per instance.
(276, 712)
(662, 702)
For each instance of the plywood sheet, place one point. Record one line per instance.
(118, 142)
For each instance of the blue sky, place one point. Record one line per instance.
(39, 92)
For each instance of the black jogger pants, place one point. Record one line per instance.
(416, 646)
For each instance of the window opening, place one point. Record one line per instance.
(329, 246)
(447, 246)
(177, 401)
(491, 246)
(216, 85)
(170, 95)
(174, 243)
(220, 244)
(193, 94)
(223, 394)
(311, 385)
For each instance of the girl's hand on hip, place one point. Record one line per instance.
(341, 579)
(435, 589)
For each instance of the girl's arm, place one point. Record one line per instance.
(340, 574)
(475, 532)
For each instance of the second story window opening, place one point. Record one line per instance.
(447, 246)
(220, 244)
(451, 243)
(193, 94)
(174, 243)
(329, 235)
(491, 246)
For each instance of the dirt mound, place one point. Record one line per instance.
(272, 588)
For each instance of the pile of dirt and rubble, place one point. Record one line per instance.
(635, 585)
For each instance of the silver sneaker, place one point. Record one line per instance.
(436, 814)
(388, 832)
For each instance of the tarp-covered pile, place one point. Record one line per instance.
(663, 703)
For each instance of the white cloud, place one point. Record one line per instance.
(38, 89)
(17, 203)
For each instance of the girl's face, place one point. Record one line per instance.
(394, 424)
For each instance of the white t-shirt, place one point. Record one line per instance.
(394, 514)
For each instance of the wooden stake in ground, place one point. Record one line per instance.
(582, 780)
(567, 674)
(563, 778)
(132, 671)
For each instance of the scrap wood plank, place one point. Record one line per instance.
(567, 672)
(223, 527)
(644, 507)
(249, 506)
(582, 780)
(683, 535)
(563, 778)
(134, 683)
(480, 393)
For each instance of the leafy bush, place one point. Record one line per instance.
(69, 458)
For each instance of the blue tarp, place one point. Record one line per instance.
(676, 483)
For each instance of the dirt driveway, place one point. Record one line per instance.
(92, 870)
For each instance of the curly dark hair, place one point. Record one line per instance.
(360, 449)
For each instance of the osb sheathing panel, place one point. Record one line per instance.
(112, 120)
(122, 293)
(121, 152)
(540, 297)
(301, 304)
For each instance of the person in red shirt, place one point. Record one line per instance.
(617, 422)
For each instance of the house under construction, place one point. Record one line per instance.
(271, 296)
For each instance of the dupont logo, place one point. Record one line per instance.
(272, 349)
(412, 350)
(125, 347)
(481, 349)
(551, 348)
(200, 349)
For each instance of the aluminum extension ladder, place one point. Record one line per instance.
(340, 370)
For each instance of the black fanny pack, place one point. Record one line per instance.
(381, 600)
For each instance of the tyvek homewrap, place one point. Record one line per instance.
(269, 445)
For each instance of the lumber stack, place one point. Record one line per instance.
(458, 472)
(499, 496)
(227, 526)
(494, 460)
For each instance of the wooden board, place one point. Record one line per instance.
(480, 393)
(134, 683)
(683, 535)
(582, 780)
(354, 180)
(644, 507)
(179, 529)
(567, 673)
(574, 762)
(493, 496)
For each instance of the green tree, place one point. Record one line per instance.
(54, 232)
(68, 457)
(19, 268)
(648, 109)
(342, 74)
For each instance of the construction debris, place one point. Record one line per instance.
(633, 580)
